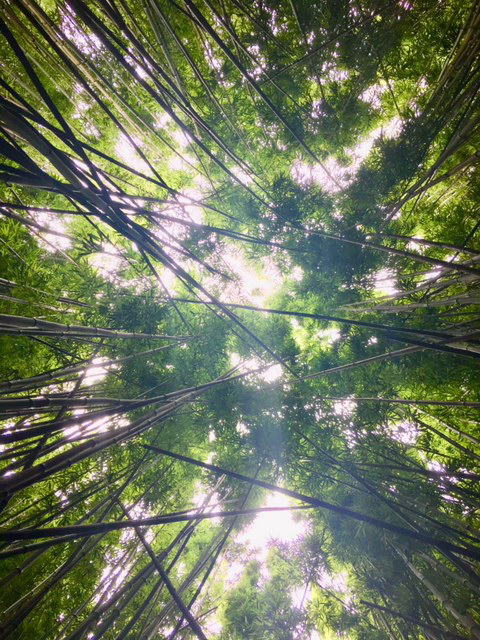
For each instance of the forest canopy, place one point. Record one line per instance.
(239, 324)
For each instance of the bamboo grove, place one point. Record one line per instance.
(239, 284)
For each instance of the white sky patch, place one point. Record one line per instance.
(319, 412)
(116, 577)
(200, 495)
(260, 59)
(212, 625)
(92, 130)
(373, 95)
(181, 138)
(162, 121)
(181, 164)
(333, 74)
(271, 526)
(214, 62)
(169, 280)
(423, 84)
(81, 114)
(108, 265)
(270, 374)
(203, 184)
(168, 230)
(297, 273)
(140, 72)
(329, 336)
(301, 596)
(242, 428)
(258, 284)
(335, 582)
(127, 153)
(96, 372)
(385, 283)
(176, 229)
(56, 223)
(405, 432)
(449, 498)
(62, 496)
(430, 275)
(351, 438)
(234, 571)
(63, 387)
(235, 359)
(181, 570)
(192, 193)
(139, 511)
(414, 246)
(344, 408)
(434, 465)
(306, 174)
(393, 128)
(317, 111)
(87, 44)
(195, 212)
(100, 425)
(241, 175)
(277, 24)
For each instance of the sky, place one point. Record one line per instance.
(281, 526)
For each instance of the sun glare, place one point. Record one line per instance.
(267, 527)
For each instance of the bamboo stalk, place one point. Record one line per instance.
(415, 621)
(195, 627)
(315, 502)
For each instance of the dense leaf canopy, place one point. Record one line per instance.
(239, 327)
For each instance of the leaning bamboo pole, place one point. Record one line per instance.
(415, 621)
(315, 502)
(34, 326)
(196, 628)
(465, 619)
(55, 375)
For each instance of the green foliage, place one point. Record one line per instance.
(166, 171)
